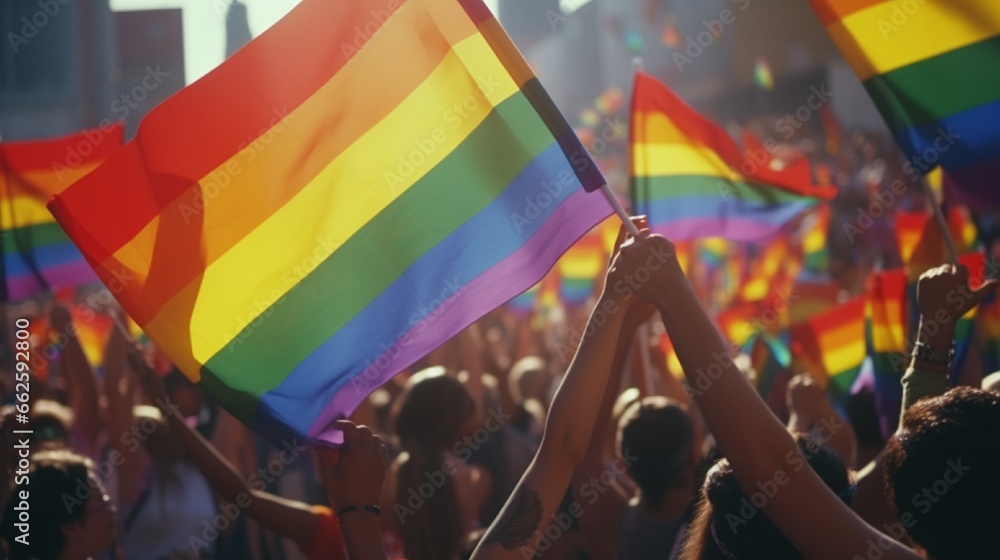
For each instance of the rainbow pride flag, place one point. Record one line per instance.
(814, 246)
(834, 342)
(580, 267)
(37, 255)
(886, 330)
(692, 180)
(930, 68)
(295, 230)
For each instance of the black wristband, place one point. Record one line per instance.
(925, 353)
(367, 507)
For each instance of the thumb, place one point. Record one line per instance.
(985, 290)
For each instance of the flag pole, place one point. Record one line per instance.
(622, 214)
(629, 226)
(941, 221)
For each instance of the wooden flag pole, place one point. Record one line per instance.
(941, 221)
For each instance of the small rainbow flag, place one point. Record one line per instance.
(814, 247)
(692, 180)
(295, 230)
(764, 269)
(580, 267)
(886, 327)
(37, 255)
(932, 76)
(835, 342)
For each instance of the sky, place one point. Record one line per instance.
(205, 25)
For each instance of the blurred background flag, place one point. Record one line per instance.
(685, 176)
(37, 255)
(291, 277)
(933, 79)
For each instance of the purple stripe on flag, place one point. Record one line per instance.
(508, 278)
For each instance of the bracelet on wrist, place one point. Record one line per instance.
(367, 507)
(925, 353)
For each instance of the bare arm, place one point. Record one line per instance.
(759, 448)
(516, 532)
(288, 518)
(80, 382)
(353, 480)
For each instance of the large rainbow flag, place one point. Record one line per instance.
(294, 230)
(930, 68)
(692, 180)
(37, 255)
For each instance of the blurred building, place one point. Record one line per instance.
(69, 66)
(712, 52)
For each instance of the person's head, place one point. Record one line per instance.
(156, 436)
(729, 525)
(186, 395)
(941, 471)
(70, 514)
(433, 413)
(529, 379)
(657, 433)
(50, 425)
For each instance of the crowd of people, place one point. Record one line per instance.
(457, 460)
(561, 439)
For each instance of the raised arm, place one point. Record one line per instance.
(759, 448)
(353, 480)
(80, 382)
(288, 518)
(516, 532)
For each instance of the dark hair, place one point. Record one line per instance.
(942, 473)
(429, 422)
(730, 525)
(658, 433)
(53, 482)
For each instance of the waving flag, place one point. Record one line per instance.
(835, 343)
(691, 179)
(37, 255)
(294, 230)
(933, 78)
(814, 246)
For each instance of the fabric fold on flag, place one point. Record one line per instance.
(295, 230)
